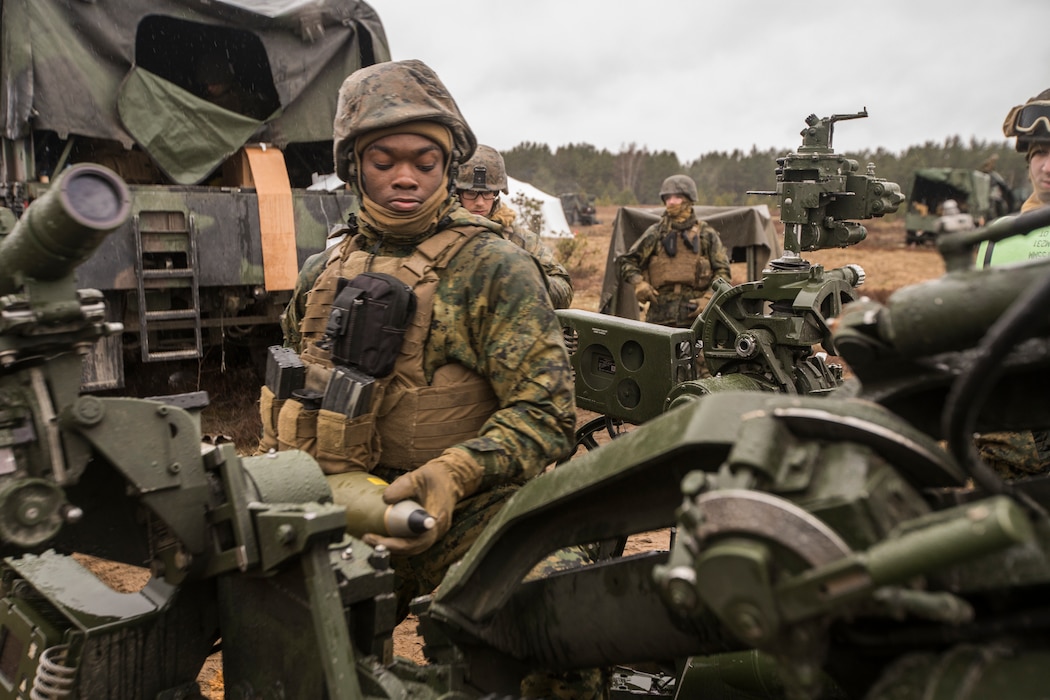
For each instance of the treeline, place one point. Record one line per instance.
(634, 175)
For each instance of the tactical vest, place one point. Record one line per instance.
(411, 421)
(686, 268)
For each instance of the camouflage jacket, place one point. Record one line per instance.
(631, 264)
(559, 284)
(491, 317)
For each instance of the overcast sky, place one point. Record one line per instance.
(695, 76)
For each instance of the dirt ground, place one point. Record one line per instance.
(887, 262)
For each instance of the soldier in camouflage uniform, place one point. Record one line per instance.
(479, 183)
(675, 260)
(487, 346)
(1025, 452)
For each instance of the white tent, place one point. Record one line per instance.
(554, 223)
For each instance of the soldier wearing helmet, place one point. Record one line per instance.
(1023, 452)
(1029, 123)
(480, 397)
(478, 184)
(673, 263)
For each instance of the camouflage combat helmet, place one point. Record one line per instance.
(485, 172)
(1029, 122)
(679, 184)
(391, 93)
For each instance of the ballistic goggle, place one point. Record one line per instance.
(1028, 119)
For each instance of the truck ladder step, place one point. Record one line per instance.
(175, 232)
(172, 315)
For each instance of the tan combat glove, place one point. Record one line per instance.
(701, 304)
(438, 486)
(643, 291)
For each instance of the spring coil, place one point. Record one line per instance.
(54, 680)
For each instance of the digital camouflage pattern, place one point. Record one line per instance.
(423, 573)
(673, 307)
(293, 313)
(491, 316)
(392, 93)
(567, 685)
(485, 172)
(1015, 454)
(559, 283)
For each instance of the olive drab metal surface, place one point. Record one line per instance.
(181, 99)
(831, 540)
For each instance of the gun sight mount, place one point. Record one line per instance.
(822, 194)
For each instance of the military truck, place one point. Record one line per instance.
(579, 208)
(977, 193)
(218, 114)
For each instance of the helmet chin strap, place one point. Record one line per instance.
(453, 167)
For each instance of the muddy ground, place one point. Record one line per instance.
(233, 413)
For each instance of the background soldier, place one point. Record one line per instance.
(1030, 124)
(675, 260)
(1023, 452)
(481, 395)
(479, 183)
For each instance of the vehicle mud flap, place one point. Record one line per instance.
(276, 217)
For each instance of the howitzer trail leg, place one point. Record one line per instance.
(287, 633)
(333, 638)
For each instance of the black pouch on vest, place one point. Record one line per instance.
(368, 320)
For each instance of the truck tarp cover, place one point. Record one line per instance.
(123, 70)
(959, 178)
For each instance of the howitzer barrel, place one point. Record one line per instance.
(63, 227)
(954, 311)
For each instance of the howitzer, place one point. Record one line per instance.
(128, 480)
(760, 335)
(43, 316)
(763, 334)
(826, 546)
